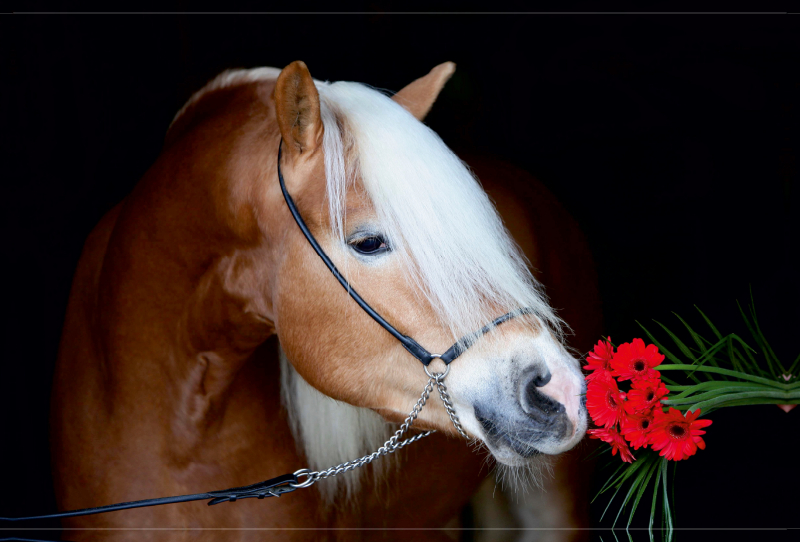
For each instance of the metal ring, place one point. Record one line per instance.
(436, 376)
(303, 472)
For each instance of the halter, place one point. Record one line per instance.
(287, 483)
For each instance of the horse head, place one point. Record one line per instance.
(413, 232)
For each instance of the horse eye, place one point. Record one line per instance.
(370, 245)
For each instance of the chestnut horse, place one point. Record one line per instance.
(167, 382)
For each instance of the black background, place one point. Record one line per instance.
(672, 139)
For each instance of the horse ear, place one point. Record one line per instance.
(418, 97)
(297, 108)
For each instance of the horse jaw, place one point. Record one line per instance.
(329, 432)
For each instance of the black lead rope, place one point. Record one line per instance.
(275, 487)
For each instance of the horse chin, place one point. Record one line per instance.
(520, 445)
(514, 453)
(518, 472)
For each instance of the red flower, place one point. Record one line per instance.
(676, 435)
(599, 361)
(636, 429)
(612, 436)
(644, 395)
(635, 362)
(605, 403)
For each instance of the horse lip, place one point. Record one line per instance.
(494, 435)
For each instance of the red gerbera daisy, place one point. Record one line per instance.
(636, 429)
(612, 436)
(676, 435)
(644, 395)
(605, 403)
(635, 362)
(599, 361)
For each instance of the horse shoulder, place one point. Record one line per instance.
(77, 389)
(84, 292)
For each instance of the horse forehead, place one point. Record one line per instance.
(358, 205)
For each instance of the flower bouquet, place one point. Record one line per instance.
(653, 421)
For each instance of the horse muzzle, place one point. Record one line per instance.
(536, 414)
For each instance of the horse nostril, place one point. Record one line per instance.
(541, 380)
(535, 403)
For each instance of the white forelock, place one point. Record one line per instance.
(441, 224)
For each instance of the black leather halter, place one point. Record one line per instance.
(413, 347)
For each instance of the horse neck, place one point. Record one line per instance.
(183, 296)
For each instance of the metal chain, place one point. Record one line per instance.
(394, 443)
(448, 406)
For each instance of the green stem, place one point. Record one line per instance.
(757, 401)
(726, 372)
(708, 385)
(667, 511)
(653, 505)
(719, 401)
(687, 398)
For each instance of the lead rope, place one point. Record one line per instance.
(275, 487)
(394, 443)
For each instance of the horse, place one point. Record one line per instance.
(206, 345)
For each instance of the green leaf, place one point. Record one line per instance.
(751, 364)
(668, 381)
(703, 386)
(632, 469)
(698, 340)
(758, 401)
(667, 511)
(720, 401)
(710, 353)
(739, 363)
(717, 333)
(610, 481)
(719, 392)
(642, 487)
(793, 369)
(653, 506)
(749, 349)
(759, 338)
(667, 353)
(674, 471)
(767, 349)
(634, 484)
(719, 370)
(609, 503)
(600, 450)
(682, 347)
